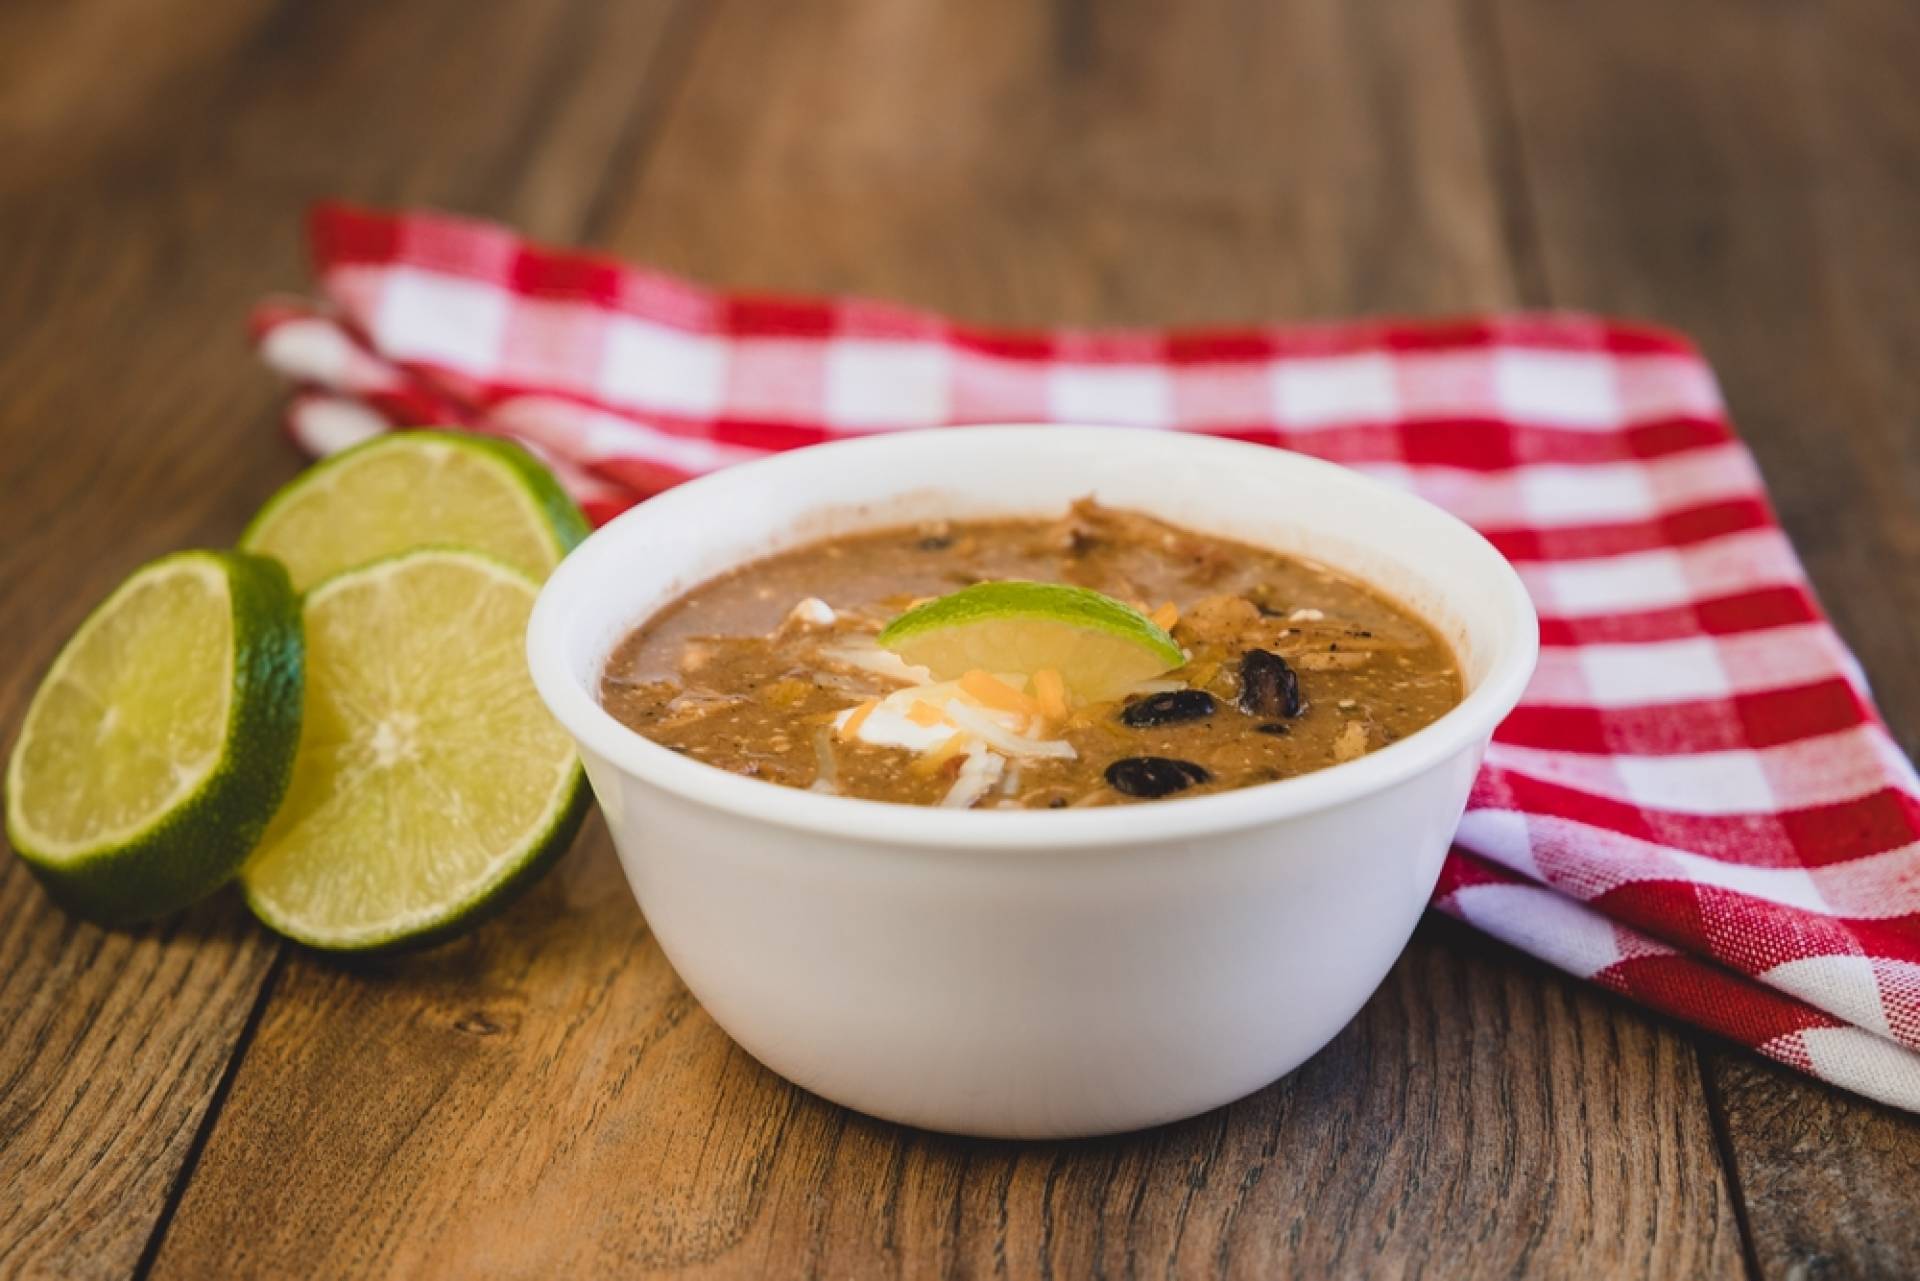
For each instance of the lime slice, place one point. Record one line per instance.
(431, 782)
(159, 744)
(414, 489)
(1100, 647)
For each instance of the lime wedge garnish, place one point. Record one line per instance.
(414, 489)
(159, 744)
(431, 781)
(1100, 647)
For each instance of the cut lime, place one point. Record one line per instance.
(159, 744)
(414, 489)
(1100, 647)
(431, 782)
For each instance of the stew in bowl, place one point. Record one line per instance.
(782, 669)
(940, 762)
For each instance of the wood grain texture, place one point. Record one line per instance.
(1759, 188)
(1078, 163)
(114, 1043)
(158, 159)
(546, 1097)
(1828, 1179)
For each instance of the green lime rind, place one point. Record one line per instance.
(512, 871)
(564, 518)
(537, 858)
(556, 520)
(199, 842)
(1049, 602)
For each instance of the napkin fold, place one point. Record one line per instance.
(1695, 805)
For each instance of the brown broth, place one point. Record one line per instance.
(725, 676)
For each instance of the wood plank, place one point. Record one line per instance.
(1827, 1178)
(1756, 183)
(1063, 164)
(158, 159)
(544, 1097)
(114, 1044)
(1762, 200)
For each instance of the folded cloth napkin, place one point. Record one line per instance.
(1695, 804)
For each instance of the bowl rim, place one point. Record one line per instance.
(580, 713)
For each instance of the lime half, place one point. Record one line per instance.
(431, 781)
(159, 744)
(1100, 647)
(412, 489)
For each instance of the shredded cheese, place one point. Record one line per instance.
(988, 718)
(978, 773)
(1050, 691)
(1001, 739)
(887, 726)
(1166, 616)
(865, 656)
(990, 691)
(930, 763)
(850, 728)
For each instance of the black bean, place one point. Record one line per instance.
(1057, 803)
(1169, 707)
(1150, 776)
(935, 543)
(1271, 727)
(1268, 687)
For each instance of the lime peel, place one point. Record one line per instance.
(1101, 647)
(410, 489)
(161, 741)
(432, 784)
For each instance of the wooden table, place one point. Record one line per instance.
(544, 1098)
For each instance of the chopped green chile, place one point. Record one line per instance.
(755, 671)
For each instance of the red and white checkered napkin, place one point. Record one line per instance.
(1695, 805)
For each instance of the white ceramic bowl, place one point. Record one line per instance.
(1047, 973)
